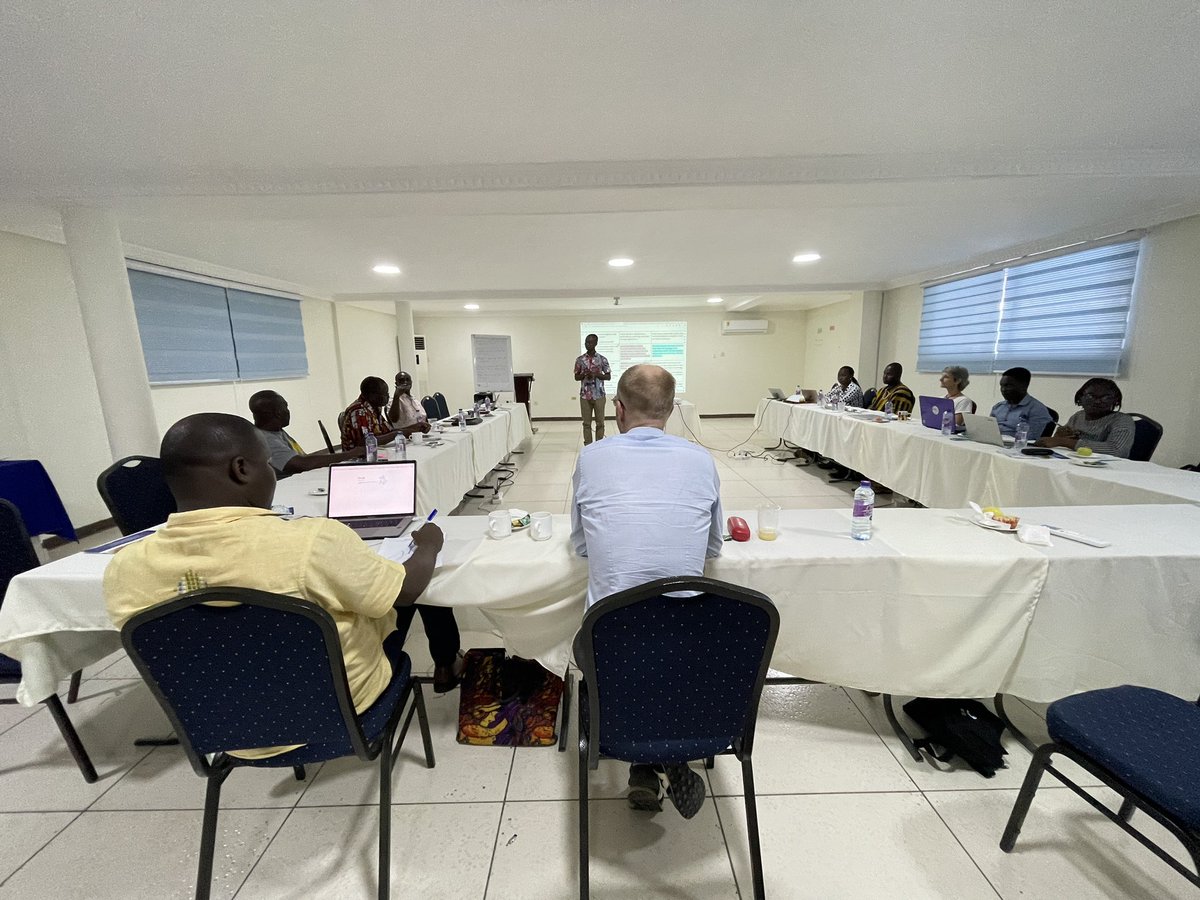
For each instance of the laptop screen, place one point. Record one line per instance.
(373, 489)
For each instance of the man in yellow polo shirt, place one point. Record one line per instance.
(225, 534)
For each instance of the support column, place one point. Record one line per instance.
(409, 361)
(102, 287)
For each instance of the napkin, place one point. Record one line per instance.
(1038, 535)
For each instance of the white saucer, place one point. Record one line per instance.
(319, 492)
(992, 524)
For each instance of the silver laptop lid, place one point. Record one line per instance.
(984, 429)
(777, 393)
(373, 490)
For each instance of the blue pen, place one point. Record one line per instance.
(412, 545)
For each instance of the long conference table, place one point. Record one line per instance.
(932, 606)
(938, 471)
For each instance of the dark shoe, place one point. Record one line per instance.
(827, 464)
(839, 474)
(645, 789)
(446, 678)
(685, 788)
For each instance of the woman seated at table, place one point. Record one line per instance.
(846, 389)
(954, 381)
(1097, 426)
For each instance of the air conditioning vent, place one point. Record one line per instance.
(744, 326)
(418, 342)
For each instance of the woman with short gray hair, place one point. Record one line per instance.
(954, 380)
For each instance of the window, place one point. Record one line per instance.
(1065, 315)
(628, 344)
(195, 331)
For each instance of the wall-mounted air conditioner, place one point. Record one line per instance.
(744, 326)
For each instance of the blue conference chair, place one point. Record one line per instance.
(1146, 435)
(16, 556)
(431, 408)
(669, 679)
(1140, 742)
(443, 410)
(136, 493)
(266, 672)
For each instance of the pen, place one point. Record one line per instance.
(412, 545)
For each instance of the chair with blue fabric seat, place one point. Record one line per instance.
(1141, 743)
(1146, 435)
(16, 556)
(268, 671)
(136, 493)
(431, 408)
(443, 409)
(671, 679)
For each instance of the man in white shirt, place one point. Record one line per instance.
(647, 505)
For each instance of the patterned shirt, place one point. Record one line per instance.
(1109, 434)
(591, 388)
(359, 415)
(851, 395)
(901, 397)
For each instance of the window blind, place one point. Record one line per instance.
(184, 327)
(268, 335)
(628, 344)
(1066, 315)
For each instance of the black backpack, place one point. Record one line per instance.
(963, 728)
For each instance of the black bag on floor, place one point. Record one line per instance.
(962, 728)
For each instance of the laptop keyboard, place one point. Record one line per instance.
(376, 523)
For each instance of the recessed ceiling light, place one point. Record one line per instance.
(470, 306)
(386, 269)
(806, 257)
(715, 300)
(620, 262)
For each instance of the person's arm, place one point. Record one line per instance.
(308, 462)
(580, 371)
(1117, 442)
(605, 370)
(393, 411)
(902, 401)
(578, 539)
(1039, 419)
(418, 568)
(716, 528)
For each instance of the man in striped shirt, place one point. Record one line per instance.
(894, 391)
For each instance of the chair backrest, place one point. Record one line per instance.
(671, 678)
(265, 672)
(1049, 429)
(1146, 435)
(16, 549)
(868, 397)
(431, 408)
(325, 435)
(440, 399)
(136, 493)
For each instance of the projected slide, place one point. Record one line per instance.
(632, 343)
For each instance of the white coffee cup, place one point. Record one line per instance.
(499, 524)
(417, 437)
(542, 526)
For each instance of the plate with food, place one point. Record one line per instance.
(318, 492)
(994, 519)
(1086, 453)
(520, 519)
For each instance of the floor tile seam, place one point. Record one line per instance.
(487, 882)
(48, 842)
(32, 711)
(958, 841)
(261, 856)
(759, 793)
(886, 746)
(119, 779)
(712, 798)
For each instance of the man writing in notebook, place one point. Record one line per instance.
(225, 535)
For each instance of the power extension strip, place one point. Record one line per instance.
(741, 454)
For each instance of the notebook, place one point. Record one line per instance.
(377, 500)
(932, 409)
(984, 429)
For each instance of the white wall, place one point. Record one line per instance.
(725, 373)
(367, 343)
(1162, 380)
(831, 340)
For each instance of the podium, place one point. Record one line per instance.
(521, 383)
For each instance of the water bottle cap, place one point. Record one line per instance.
(864, 483)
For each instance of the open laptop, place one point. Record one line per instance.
(984, 429)
(777, 393)
(932, 409)
(803, 396)
(377, 500)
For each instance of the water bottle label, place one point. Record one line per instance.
(863, 509)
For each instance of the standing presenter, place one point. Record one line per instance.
(591, 371)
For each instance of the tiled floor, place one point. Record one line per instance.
(843, 811)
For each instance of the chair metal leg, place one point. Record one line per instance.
(1025, 742)
(299, 772)
(74, 744)
(565, 718)
(1029, 787)
(583, 813)
(419, 700)
(208, 832)
(756, 866)
(898, 729)
(710, 762)
(73, 690)
(385, 817)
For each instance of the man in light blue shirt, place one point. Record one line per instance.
(647, 505)
(1017, 406)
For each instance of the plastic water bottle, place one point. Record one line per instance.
(1021, 436)
(401, 446)
(889, 408)
(947, 423)
(864, 510)
(371, 443)
(462, 420)
(821, 399)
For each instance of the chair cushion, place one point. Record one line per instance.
(373, 719)
(1146, 738)
(9, 667)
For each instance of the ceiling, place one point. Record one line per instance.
(503, 152)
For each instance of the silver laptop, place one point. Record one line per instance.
(984, 429)
(377, 500)
(777, 393)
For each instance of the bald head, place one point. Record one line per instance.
(215, 459)
(647, 394)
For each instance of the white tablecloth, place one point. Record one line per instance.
(685, 421)
(932, 605)
(936, 471)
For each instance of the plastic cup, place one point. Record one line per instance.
(768, 522)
